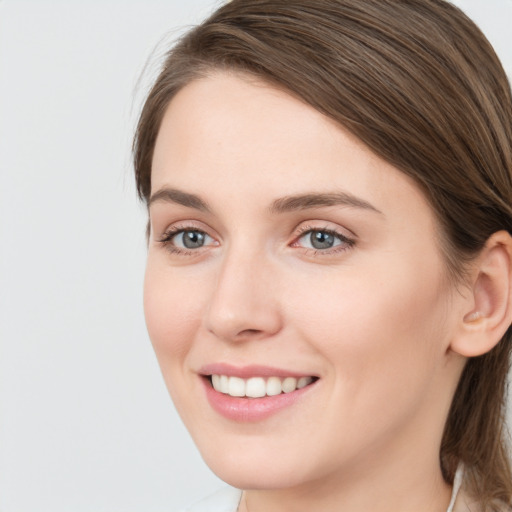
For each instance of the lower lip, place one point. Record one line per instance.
(246, 410)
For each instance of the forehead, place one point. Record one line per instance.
(228, 108)
(230, 135)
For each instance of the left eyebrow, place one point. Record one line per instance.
(305, 201)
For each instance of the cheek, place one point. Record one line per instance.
(383, 341)
(383, 330)
(172, 312)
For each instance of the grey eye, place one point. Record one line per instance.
(191, 239)
(322, 240)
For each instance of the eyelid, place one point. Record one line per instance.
(182, 225)
(345, 236)
(173, 233)
(322, 225)
(165, 239)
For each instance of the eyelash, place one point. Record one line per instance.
(346, 242)
(172, 232)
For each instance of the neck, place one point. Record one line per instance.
(389, 492)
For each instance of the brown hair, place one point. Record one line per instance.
(421, 86)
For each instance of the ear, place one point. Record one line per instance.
(487, 311)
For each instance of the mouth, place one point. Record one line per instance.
(258, 387)
(254, 393)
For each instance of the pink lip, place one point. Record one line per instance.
(246, 410)
(246, 372)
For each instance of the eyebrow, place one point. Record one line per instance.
(172, 195)
(305, 201)
(282, 205)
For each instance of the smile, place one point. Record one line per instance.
(255, 393)
(258, 387)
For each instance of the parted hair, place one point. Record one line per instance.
(421, 86)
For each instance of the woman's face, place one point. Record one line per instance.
(284, 253)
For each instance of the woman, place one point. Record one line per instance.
(328, 285)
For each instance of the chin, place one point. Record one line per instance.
(246, 474)
(258, 466)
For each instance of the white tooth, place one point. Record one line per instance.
(289, 384)
(216, 382)
(224, 384)
(274, 386)
(255, 387)
(236, 386)
(303, 382)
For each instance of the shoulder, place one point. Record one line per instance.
(224, 500)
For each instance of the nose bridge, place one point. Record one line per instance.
(243, 303)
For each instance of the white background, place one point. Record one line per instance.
(85, 420)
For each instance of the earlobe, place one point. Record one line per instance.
(489, 306)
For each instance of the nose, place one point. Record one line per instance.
(244, 304)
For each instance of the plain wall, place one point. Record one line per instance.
(85, 420)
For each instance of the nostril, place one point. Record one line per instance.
(249, 332)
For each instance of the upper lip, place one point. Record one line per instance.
(246, 372)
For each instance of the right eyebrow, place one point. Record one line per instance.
(172, 195)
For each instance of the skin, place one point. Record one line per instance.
(374, 318)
